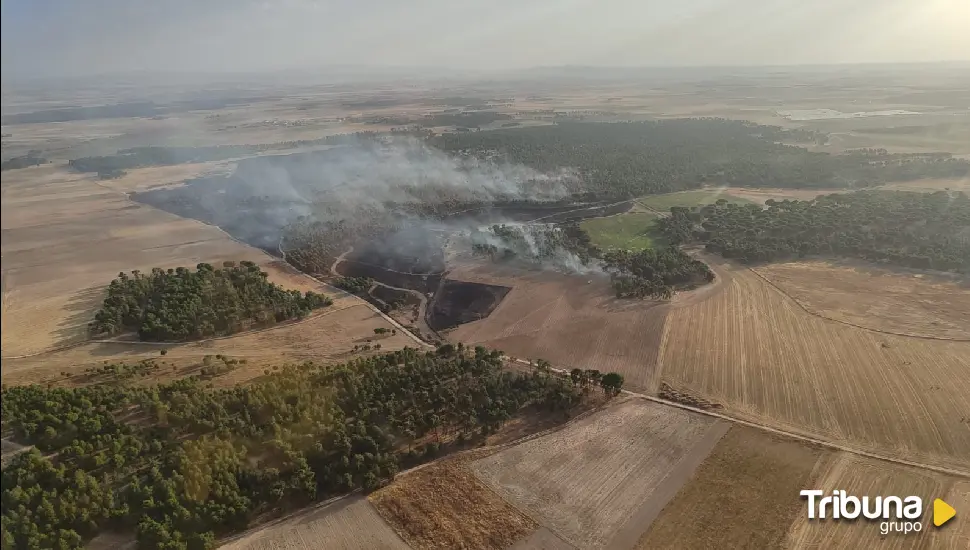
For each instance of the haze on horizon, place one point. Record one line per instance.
(69, 38)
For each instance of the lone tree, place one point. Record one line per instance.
(612, 383)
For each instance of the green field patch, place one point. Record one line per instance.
(699, 197)
(634, 231)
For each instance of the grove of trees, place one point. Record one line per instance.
(181, 464)
(180, 304)
(636, 158)
(654, 272)
(916, 230)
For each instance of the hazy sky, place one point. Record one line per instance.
(87, 36)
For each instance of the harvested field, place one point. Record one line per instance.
(861, 477)
(744, 495)
(325, 336)
(445, 506)
(756, 352)
(876, 298)
(348, 524)
(600, 480)
(567, 320)
(65, 238)
(760, 195)
(955, 535)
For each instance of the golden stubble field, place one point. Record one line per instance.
(601, 480)
(65, 238)
(912, 304)
(862, 477)
(754, 350)
(348, 524)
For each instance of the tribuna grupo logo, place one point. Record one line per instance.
(895, 514)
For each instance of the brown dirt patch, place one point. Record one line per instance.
(445, 506)
(567, 320)
(744, 495)
(587, 480)
(348, 524)
(755, 351)
(876, 298)
(863, 477)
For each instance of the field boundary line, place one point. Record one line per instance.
(779, 431)
(870, 329)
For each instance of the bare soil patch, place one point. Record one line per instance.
(586, 481)
(759, 354)
(877, 298)
(744, 495)
(572, 321)
(863, 477)
(445, 506)
(348, 524)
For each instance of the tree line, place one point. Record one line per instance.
(181, 464)
(630, 159)
(916, 230)
(180, 304)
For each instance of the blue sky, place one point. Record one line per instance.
(91, 36)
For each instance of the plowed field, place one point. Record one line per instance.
(755, 351)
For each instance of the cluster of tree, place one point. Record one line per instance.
(181, 464)
(180, 304)
(32, 158)
(611, 382)
(917, 230)
(537, 243)
(354, 285)
(654, 272)
(636, 158)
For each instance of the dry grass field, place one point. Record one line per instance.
(861, 477)
(744, 495)
(876, 298)
(755, 351)
(444, 506)
(930, 186)
(602, 479)
(348, 524)
(567, 320)
(955, 535)
(325, 336)
(64, 239)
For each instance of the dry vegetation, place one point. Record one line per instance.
(875, 298)
(744, 495)
(860, 477)
(348, 524)
(445, 506)
(755, 351)
(567, 320)
(65, 237)
(602, 478)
